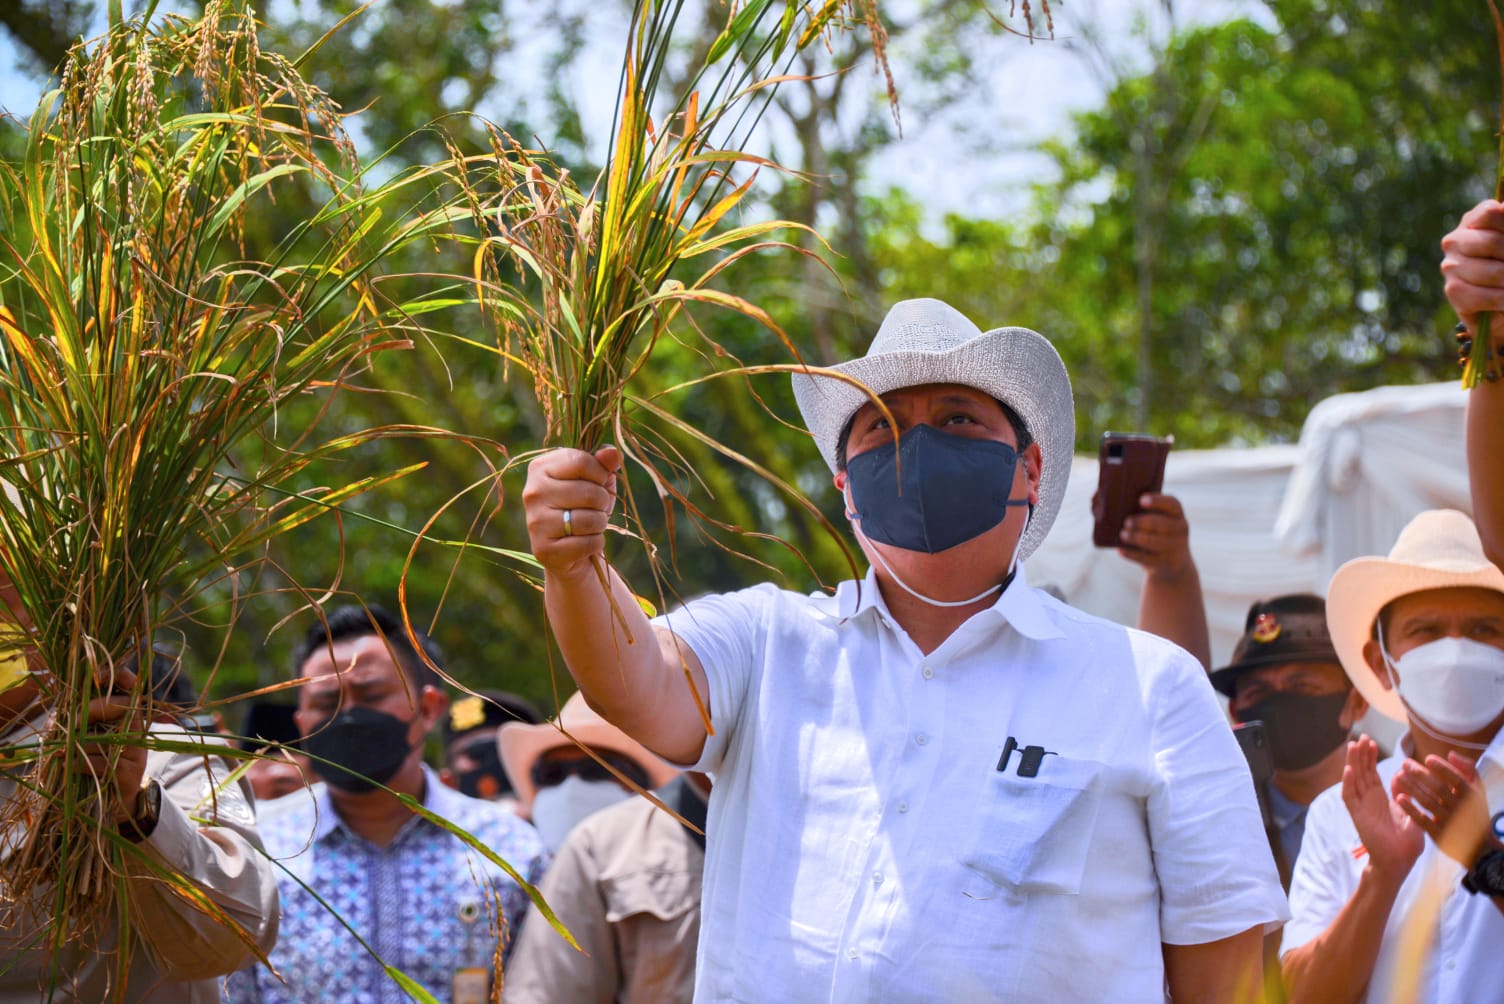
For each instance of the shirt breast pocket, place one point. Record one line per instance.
(1036, 832)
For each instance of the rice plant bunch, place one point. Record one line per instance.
(146, 365)
(602, 268)
(607, 269)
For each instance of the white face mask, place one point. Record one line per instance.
(1455, 684)
(557, 809)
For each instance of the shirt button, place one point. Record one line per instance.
(851, 953)
(929, 672)
(903, 806)
(921, 739)
(877, 878)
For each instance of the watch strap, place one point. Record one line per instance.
(1486, 875)
(148, 811)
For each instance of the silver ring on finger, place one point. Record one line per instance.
(569, 522)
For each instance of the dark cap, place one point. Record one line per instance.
(492, 709)
(1279, 630)
(267, 722)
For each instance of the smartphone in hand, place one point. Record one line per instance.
(1129, 466)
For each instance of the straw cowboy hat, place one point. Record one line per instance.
(926, 342)
(521, 746)
(1438, 549)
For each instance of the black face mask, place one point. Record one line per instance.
(488, 780)
(932, 491)
(1300, 729)
(364, 747)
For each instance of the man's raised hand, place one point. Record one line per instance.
(1390, 836)
(568, 498)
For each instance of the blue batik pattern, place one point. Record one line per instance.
(407, 900)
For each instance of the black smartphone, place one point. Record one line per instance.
(1255, 746)
(1130, 465)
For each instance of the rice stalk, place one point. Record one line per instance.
(146, 366)
(1481, 346)
(599, 268)
(584, 282)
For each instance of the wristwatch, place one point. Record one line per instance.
(1487, 874)
(148, 811)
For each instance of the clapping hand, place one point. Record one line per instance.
(1391, 836)
(1446, 800)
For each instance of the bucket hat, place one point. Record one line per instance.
(1279, 630)
(927, 341)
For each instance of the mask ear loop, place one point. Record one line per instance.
(855, 517)
(930, 600)
(1415, 717)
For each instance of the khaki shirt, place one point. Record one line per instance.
(626, 883)
(179, 952)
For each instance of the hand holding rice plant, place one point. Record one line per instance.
(605, 273)
(146, 367)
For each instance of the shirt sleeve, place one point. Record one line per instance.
(544, 969)
(204, 895)
(725, 631)
(1324, 877)
(1216, 872)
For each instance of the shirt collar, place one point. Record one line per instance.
(1282, 807)
(1491, 762)
(438, 798)
(860, 597)
(1020, 605)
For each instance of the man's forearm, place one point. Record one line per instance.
(1485, 462)
(1228, 971)
(620, 663)
(1336, 966)
(1172, 607)
(228, 868)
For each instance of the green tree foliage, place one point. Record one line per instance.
(404, 64)
(1249, 227)
(44, 29)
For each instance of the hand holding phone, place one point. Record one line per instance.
(1130, 466)
(1157, 536)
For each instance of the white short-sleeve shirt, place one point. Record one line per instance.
(1466, 960)
(875, 836)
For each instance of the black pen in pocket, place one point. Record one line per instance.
(1008, 748)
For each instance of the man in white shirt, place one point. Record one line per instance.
(1402, 898)
(939, 783)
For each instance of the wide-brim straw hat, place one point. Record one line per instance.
(1439, 549)
(521, 745)
(927, 341)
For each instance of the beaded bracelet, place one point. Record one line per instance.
(1473, 372)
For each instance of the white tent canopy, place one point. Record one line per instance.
(1279, 519)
